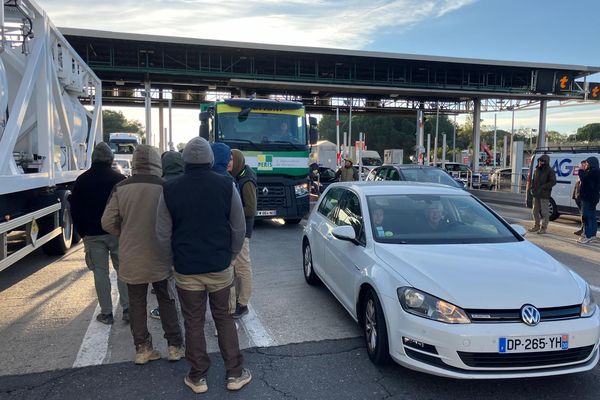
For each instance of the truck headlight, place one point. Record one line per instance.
(301, 190)
(424, 305)
(588, 307)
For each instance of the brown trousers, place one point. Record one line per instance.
(138, 317)
(193, 308)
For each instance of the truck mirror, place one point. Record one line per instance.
(204, 116)
(204, 131)
(313, 134)
(312, 121)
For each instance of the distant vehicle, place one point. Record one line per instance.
(125, 165)
(441, 284)
(371, 159)
(325, 178)
(464, 173)
(565, 162)
(502, 178)
(414, 173)
(393, 156)
(117, 167)
(123, 144)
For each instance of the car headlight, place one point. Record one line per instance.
(301, 190)
(427, 306)
(588, 307)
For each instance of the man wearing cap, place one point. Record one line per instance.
(347, 172)
(88, 200)
(201, 219)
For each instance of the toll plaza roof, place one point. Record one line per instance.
(191, 67)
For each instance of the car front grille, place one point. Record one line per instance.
(546, 358)
(546, 314)
(269, 197)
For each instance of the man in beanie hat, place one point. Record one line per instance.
(223, 159)
(347, 172)
(544, 178)
(131, 215)
(200, 217)
(88, 199)
(242, 265)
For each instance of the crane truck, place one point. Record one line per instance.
(46, 134)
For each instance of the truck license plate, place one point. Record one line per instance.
(530, 344)
(266, 213)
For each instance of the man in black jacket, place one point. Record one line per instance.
(88, 200)
(589, 193)
(201, 220)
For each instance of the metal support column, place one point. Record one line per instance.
(161, 126)
(148, 106)
(542, 127)
(476, 133)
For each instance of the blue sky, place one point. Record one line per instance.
(546, 31)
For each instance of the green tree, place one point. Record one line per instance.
(588, 133)
(115, 121)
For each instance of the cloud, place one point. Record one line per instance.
(351, 24)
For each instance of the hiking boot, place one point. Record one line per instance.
(176, 353)
(126, 315)
(234, 383)
(105, 318)
(155, 313)
(144, 353)
(578, 232)
(533, 229)
(584, 240)
(199, 386)
(240, 311)
(541, 231)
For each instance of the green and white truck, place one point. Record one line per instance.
(275, 138)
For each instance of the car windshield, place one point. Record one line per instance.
(435, 219)
(371, 162)
(261, 128)
(429, 175)
(123, 163)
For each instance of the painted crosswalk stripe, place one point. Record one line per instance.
(94, 347)
(256, 331)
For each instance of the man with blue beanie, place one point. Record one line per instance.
(223, 160)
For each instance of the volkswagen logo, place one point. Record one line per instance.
(530, 315)
(265, 191)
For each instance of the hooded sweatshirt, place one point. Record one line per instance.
(590, 182)
(131, 214)
(544, 178)
(222, 154)
(246, 183)
(200, 216)
(172, 165)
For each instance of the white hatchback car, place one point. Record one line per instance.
(443, 285)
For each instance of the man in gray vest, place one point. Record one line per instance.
(200, 218)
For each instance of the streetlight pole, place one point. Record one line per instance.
(454, 141)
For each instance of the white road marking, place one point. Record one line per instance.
(256, 331)
(94, 347)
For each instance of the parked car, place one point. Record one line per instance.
(117, 167)
(502, 178)
(463, 172)
(325, 177)
(441, 284)
(125, 166)
(413, 172)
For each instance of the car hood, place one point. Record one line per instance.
(484, 276)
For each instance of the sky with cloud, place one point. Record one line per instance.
(547, 31)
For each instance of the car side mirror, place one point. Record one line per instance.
(519, 229)
(344, 233)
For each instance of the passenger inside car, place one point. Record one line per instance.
(378, 217)
(435, 218)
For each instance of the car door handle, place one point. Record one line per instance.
(329, 236)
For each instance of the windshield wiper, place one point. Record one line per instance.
(295, 146)
(242, 141)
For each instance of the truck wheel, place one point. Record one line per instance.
(552, 210)
(293, 221)
(60, 244)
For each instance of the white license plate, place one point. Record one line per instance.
(266, 213)
(531, 344)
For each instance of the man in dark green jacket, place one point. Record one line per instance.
(544, 178)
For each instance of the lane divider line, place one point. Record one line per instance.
(94, 346)
(255, 330)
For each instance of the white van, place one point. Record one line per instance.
(565, 162)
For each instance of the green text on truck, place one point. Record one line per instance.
(275, 139)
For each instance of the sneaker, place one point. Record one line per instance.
(145, 353)
(240, 311)
(533, 229)
(584, 240)
(176, 353)
(578, 232)
(199, 386)
(105, 319)
(541, 231)
(239, 382)
(155, 313)
(126, 315)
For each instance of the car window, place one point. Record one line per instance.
(394, 175)
(372, 175)
(381, 173)
(329, 202)
(350, 214)
(435, 219)
(327, 173)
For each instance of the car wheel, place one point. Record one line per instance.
(309, 273)
(552, 210)
(375, 330)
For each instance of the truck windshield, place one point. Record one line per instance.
(262, 128)
(122, 147)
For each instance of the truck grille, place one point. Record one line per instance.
(498, 360)
(271, 198)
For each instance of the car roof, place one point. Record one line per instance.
(409, 166)
(399, 187)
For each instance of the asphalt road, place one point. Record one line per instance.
(298, 341)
